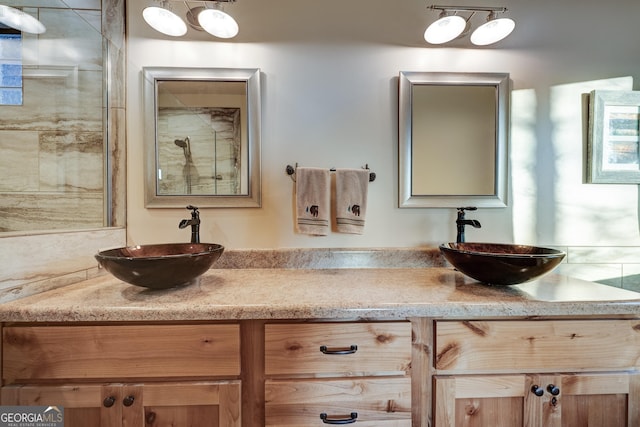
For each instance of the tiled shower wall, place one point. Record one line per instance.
(52, 145)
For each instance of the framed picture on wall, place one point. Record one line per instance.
(613, 142)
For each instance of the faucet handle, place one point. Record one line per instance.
(194, 210)
(461, 211)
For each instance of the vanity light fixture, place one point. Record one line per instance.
(207, 16)
(450, 25)
(16, 18)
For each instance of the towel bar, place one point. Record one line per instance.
(291, 171)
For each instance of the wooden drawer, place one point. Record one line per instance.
(338, 348)
(372, 402)
(131, 351)
(542, 346)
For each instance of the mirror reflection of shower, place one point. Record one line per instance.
(189, 170)
(211, 160)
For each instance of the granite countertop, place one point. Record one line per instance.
(322, 293)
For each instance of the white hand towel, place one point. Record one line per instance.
(313, 200)
(351, 200)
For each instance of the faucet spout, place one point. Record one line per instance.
(194, 222)
(461, 222)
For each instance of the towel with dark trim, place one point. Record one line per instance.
(351, 200)
(313, 200)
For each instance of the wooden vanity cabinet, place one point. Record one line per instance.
(254, 373)
(338, 373)
(126, 375)
(546, 373)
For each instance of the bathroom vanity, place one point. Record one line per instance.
(303, 347)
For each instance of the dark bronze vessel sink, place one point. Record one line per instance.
(160, 266)
(501, 264)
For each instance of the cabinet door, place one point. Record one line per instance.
(600, 400)
(576, 400)
(204, 404)
(189, 404)
(84, 405)
(466, 401)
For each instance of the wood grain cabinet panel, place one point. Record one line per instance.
(114, 351)
(571, 400)
(536, 346)
(83, 403)
(537, 373)
(365, 401)
(340, 349)
(208, 404)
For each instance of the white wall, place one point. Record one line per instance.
(332, 102)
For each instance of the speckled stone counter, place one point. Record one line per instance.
(337, 293)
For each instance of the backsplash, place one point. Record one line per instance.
(38, 262)
(331, 258)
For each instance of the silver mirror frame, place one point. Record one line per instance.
(151, 75)
(407, 80)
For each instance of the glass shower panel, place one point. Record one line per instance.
(53, 144)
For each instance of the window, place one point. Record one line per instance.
(10, 66)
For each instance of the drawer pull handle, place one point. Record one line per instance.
(352, 419)
(352, 349)
(537, 390)
(128, 401)
(553, 389)
(109, 401)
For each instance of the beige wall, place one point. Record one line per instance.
(331, 101)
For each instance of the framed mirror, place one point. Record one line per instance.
(453, 139)
(202, 137)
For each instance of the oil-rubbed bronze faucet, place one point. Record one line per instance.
(194, 222)
(461, 222)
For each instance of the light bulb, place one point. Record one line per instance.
(492, 31)
(164, 21)
(445, 29)
(218, 23)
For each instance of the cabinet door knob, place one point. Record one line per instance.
(108, 401)
(553, 389)
(537, 390)
(352, 419)
(128, 401)
(325, 350)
